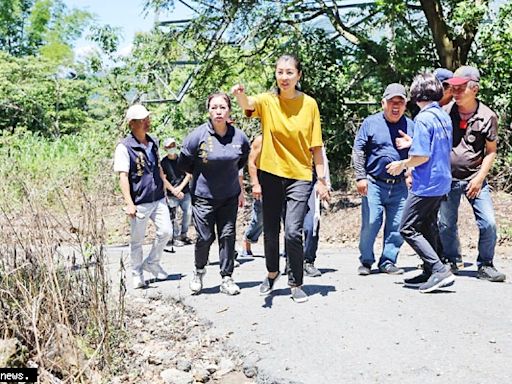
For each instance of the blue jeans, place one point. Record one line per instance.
(484, 215)
(382, 198)
(255, 228)
(310, 236)
(185, 205)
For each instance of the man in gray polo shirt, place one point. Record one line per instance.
(473, 153)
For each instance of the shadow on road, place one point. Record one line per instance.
(468, 273)
(176, 276)
(327, 270)
(242, 285)
(310, 289)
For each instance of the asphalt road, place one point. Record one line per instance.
(353, 329)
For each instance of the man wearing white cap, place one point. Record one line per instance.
(142, 184)
(473, 153)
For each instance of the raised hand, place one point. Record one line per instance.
(238, 89)
(404, 141)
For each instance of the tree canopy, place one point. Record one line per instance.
(350, 50)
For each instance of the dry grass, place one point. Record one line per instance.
(54, 291)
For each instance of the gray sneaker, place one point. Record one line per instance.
(490, 273)
(229, 287)
(298, 295)
(364, 270)
(267, 285)
(417, 281)
(391, 269)
(196, 284)
(311, 271)
(179, 243)
(438, 280)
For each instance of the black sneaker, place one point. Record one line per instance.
(364, 270)
(311, 271)
(437, 280)
(416, 281)
(391, 269)
(490, 273)
(267, 285)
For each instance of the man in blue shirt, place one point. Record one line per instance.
(375, 146)
(431, 179)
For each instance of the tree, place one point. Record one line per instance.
(350, 49)
(30, 27)
(37, 99)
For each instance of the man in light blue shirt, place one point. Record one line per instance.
(431, 180)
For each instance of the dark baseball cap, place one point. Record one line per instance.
(463, 75)
(443, 74)
(393, 90)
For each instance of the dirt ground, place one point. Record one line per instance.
(341, 223)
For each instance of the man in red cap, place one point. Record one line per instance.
(473, 153)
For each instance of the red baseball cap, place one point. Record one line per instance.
(463, 75)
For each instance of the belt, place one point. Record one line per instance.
(388, 181)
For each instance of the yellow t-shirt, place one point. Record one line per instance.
(291, 127)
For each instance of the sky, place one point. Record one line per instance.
(126, 14)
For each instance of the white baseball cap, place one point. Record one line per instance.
(136, 112)
(169, 141)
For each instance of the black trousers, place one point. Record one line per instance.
(208, 214)
(294, 194)
(420, 230)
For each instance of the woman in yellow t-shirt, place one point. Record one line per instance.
(292, 138)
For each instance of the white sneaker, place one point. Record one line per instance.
(138, 281)
(229, 287)
(157, 271)
(196, 284)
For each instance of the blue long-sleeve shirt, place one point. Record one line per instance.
(375, 147)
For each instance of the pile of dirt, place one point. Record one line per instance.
(167, 343)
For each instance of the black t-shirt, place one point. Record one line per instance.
(174, 175)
